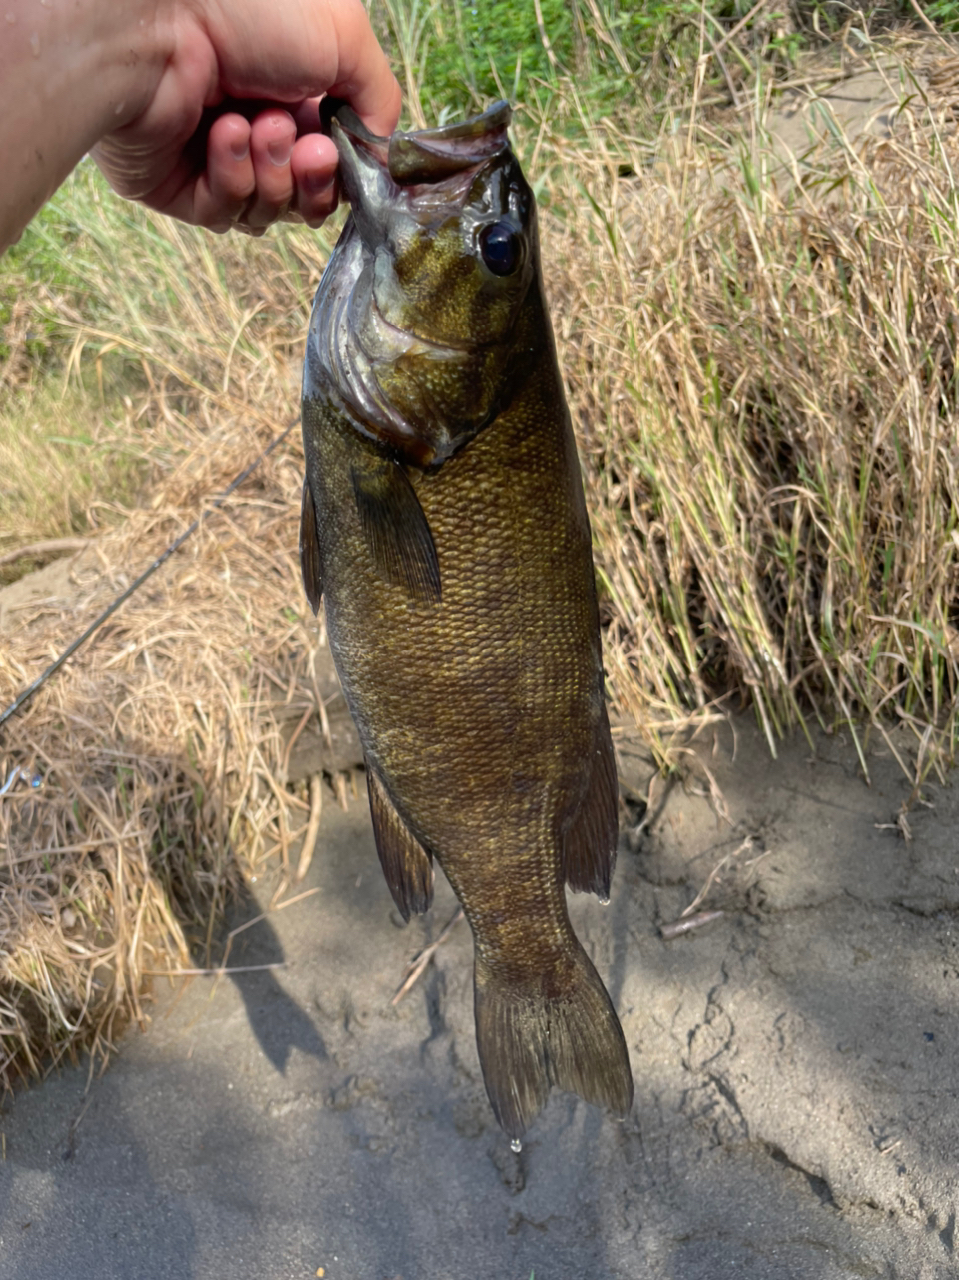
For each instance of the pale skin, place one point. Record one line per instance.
(203, 109)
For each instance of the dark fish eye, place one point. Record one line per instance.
(500, 246)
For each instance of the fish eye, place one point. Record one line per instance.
(501, 247)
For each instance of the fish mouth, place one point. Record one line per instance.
(440, 162)
(429, 155)
(421, 155)
(373, 169)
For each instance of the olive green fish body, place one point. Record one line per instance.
(461, 612)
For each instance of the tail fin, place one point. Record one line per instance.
(529, 1041)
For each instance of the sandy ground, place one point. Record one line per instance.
(796, 1060)
(796, 1065)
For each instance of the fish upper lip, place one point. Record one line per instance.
(427, 155)
(375, 169)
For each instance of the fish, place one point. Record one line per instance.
(444, 527)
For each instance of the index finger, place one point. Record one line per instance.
(363, 75)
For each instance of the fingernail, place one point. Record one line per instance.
(279, 150)
(240, 149)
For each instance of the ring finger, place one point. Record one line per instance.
(224, 191)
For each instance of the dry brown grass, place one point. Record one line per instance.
(160, 744)
(760, 355)
(160, 753)
(761, 372)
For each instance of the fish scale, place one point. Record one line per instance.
(456, 569)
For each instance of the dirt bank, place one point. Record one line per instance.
(796, 1065)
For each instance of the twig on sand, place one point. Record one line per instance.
(285, 768)
(213, 973)
(691, 918)
(248, 924)
(687, 925)
(714, 874)
(422, 958)
(339, 783)
(313, 827)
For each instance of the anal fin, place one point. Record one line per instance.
(589, 847)
(407, 866)
(310, 550)
(397, 531)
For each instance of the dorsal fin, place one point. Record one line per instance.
(407, 866)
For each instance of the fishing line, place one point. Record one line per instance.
(71, 649)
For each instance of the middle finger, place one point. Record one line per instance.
(271, 145)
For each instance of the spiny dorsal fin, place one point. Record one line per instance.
(589, 847)
(396, 528)
(407, 866)
(310, 550)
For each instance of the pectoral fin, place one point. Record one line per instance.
(396, 528)
(310, 550)
(407, 866)
(589, 849)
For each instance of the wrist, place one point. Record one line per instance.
(92, 64)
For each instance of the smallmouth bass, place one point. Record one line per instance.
(445, 527)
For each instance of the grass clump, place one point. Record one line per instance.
(66, 468)
(156, 362)
(454, 57)
(760, 349)
(122, 332)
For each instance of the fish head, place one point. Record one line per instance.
(416, 320)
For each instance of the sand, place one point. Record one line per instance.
(796, 1066)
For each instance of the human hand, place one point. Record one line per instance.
(231, 136)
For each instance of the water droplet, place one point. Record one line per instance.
(516, 1146)
(36, 781)
(604, 899)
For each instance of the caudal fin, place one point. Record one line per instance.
(529, 1041)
